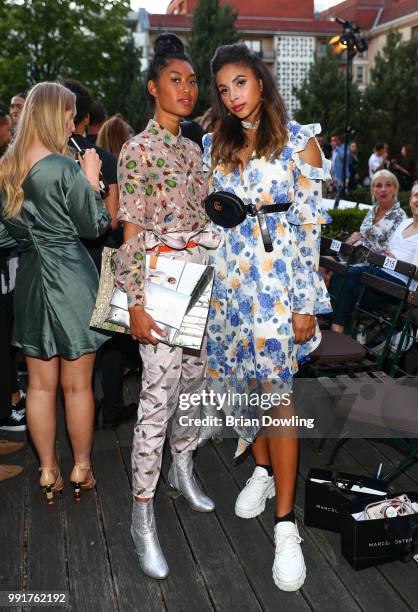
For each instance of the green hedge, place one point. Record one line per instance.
(347, 221)
(344, 222)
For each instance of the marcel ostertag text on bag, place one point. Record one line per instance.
(323, 500)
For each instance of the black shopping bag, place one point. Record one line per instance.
(365, 543)
(326, 491)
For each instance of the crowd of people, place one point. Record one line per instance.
(403, 166)
(144, 194)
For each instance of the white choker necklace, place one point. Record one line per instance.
(250, 126)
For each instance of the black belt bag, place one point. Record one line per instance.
(228, 210)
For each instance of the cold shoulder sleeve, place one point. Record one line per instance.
(306, 215)
(307, 201)
(300, 135)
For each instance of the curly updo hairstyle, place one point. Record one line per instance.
(166, 48)
(229, 137)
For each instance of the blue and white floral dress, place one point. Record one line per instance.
(250, 334)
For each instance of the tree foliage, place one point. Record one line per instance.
(387, 111)
(131, 98)
(321, 97)
(45, 40)
(390, 100)
(213, 25)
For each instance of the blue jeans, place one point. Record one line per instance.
(348, 297)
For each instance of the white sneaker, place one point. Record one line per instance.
(289, 571)
(252, 500)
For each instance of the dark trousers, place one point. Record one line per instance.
(112, 357)
(8, 377)
(349, 295)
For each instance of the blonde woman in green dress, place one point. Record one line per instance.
(47, 201)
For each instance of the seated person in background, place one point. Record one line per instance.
(384, 217)
(381, 220)
(403, 245)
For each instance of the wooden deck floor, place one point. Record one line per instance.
(217, 561)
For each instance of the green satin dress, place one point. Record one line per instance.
(57, 282)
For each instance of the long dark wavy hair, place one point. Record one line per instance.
(229, 137)
(167, 47)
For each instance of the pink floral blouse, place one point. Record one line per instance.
(161, 189)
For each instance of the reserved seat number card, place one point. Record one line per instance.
(335, 246)
(390, 263)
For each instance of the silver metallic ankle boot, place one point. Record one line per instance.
(215, 427)
(213, 431)
(181, 477)
(144, 534)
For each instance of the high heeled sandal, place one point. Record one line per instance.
(50, 483)
(79, 482)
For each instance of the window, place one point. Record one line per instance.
(414, 32)
(323, 48)
(254, 45)
(360, 74)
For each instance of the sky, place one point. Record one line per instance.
(159, 6)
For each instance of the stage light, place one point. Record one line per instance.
(350, 42)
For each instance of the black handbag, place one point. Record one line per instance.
(228, 210)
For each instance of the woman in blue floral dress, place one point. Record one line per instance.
(262, 319)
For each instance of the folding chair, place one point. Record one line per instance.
(385, 287)
(342, 353)
(405, 419)
(402, 294)
(409, 334)
(329, 250)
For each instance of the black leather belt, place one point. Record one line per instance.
(228, 210)
(260, 214)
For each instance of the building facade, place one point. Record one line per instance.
(289, 35)
(286, 35)
(376, 18)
